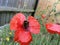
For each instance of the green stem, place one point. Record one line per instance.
(58, 40)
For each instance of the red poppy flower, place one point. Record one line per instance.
(43, 16)
(23, 28)
(53, 28)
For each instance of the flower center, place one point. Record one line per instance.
(26, 24)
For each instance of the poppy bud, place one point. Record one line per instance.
(43, 16)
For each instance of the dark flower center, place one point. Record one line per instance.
(26, 24)
(58, 23)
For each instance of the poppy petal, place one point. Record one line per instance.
(53, 28)
(34, 26)
(17, 21)
(24, 43)
(23, 36)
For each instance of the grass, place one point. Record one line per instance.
(43, 38)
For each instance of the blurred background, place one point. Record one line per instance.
(10, 7)
(51, 8)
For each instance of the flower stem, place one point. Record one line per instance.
(58, 40)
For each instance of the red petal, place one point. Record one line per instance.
(24, 43)
(53, 28)
(16, 21)
(23, 36)
(34, 25)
